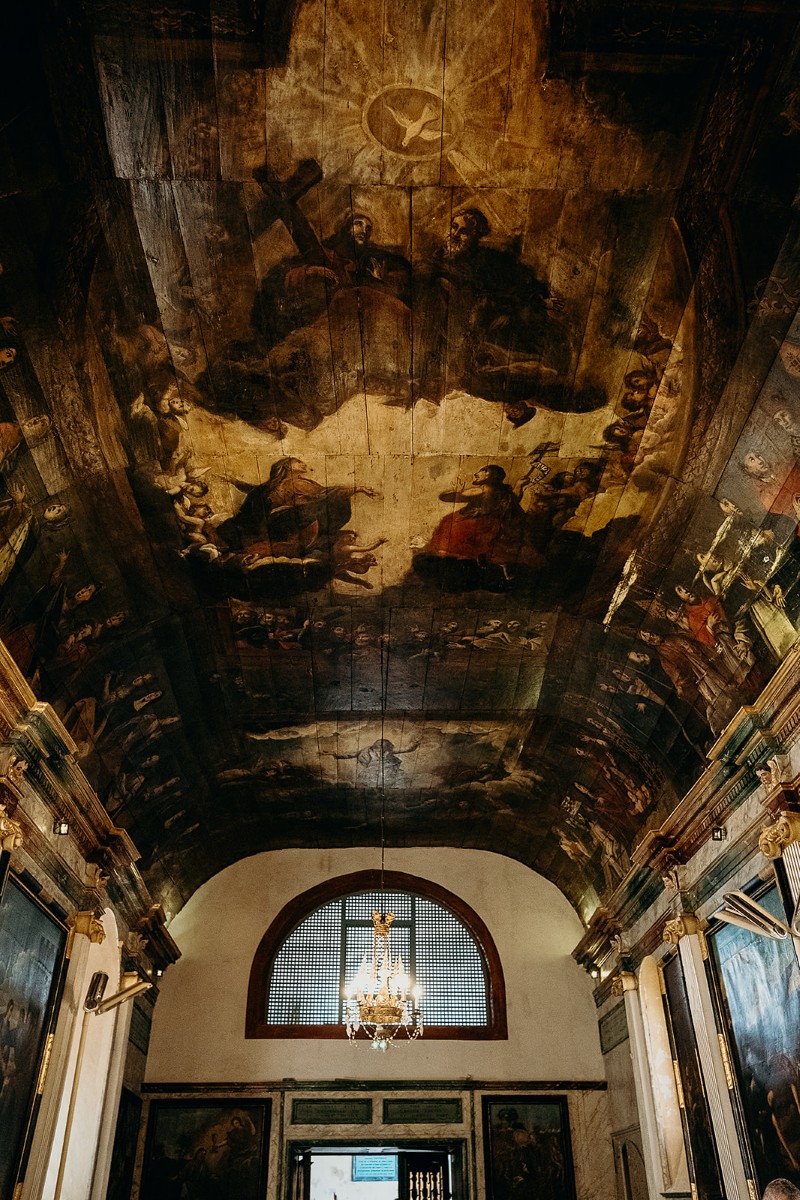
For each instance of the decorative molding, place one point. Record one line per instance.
(380, 1086)
(162, 950)
(659, 852)
(38, 768)
(778, 797)
(755, 740)
(750, 758)
(598, 943)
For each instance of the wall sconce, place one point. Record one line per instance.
(61, 826)
(158, 972)
(719, 833)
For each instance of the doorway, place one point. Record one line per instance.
(420, 1170)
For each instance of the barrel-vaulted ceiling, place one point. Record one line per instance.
(400, 413)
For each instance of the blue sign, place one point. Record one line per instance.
(376, 1167)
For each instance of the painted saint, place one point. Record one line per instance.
(484, 544)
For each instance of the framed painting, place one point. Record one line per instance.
(198, 1149)
(527, 1148)
(126, 1137)
(32, 944)
(698, 1135)
(756, 983)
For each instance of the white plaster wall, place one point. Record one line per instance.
(198, 1029)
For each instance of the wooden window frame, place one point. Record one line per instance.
(302, 906)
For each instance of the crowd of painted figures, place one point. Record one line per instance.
(699, 647)
(287, 532)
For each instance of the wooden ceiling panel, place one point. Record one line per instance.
(387, 375)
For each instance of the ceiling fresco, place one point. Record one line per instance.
(400, 409)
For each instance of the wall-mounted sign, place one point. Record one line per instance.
(374, 1167)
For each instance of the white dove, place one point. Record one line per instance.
(416, 128)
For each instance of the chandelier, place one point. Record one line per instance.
(380, 998)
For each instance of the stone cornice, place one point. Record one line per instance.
(162, 950)
(755, 737)
(750, 757)
(596, 944)
(95, 864)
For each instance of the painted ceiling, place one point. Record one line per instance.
(400, 413)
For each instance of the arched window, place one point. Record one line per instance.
(316, 943)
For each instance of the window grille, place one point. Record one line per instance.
(311, 970)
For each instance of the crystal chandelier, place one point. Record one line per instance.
(380, 999)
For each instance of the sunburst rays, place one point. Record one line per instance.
(364, 58)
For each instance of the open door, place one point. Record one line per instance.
(423, 1175)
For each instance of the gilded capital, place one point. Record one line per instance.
(88, 924)
(788, 824)
(679, 927)
(624, 981)
(10, 832)
(775, 838)
(769, 843)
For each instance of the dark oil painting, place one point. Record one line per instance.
(702, 1154)
(123, 1155)
(31, 954)
(206, 1150)
(759, 982)
(527, 1148)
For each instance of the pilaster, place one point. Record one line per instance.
(686, 931)
(625, 984)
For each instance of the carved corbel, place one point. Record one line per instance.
(87, 923)
(672, 878)
(10, 832)
(161, 949)
(775, 838)
(681, 926)
(12, 773)
(619, 944)
(95, 877)
(779, 768)
(135, 944)
(624, 981)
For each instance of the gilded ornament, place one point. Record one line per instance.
(769, 842)
(624, 981)
(679, 927)
(10, 832)
(788, 827)
(87, 923)
(775, 838)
